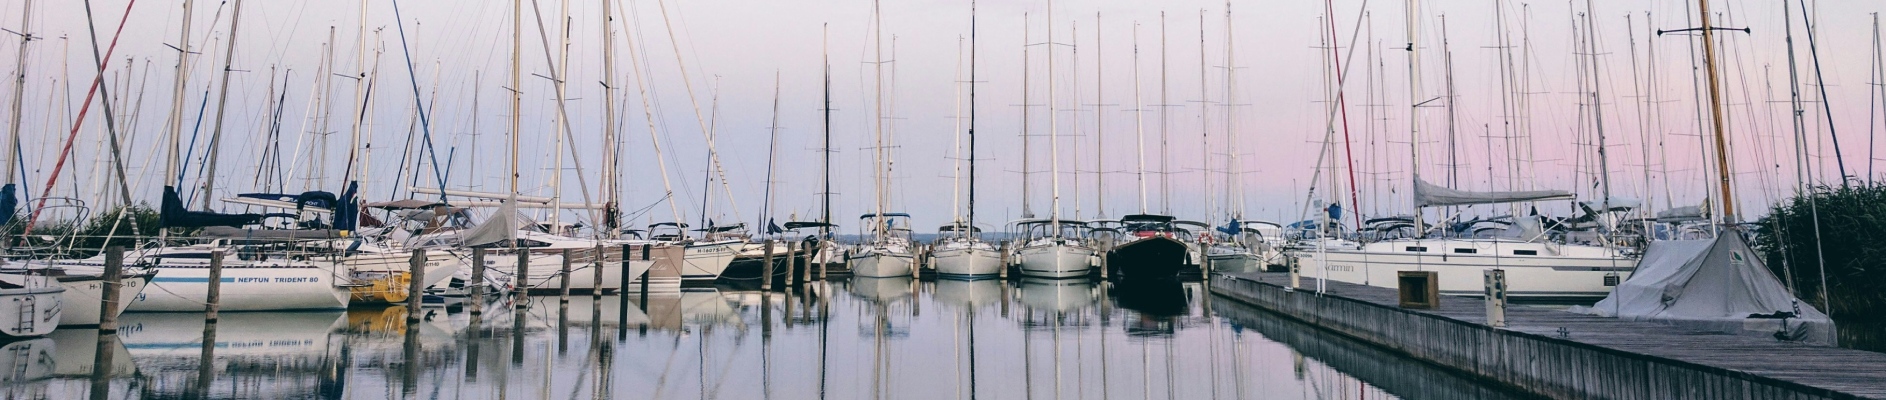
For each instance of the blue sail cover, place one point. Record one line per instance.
(8, 204)
(1231, 228)
(174, 215)
(348, 211)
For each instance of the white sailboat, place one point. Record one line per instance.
(29, 306)
(960, 251)
(889, 253)
(84, 287)
(1053, 247)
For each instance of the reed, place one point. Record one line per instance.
(1852, 241)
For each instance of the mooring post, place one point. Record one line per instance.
(601, 259)
(1104, 265)
(520, 285)
(1496, 297)
(114, 272)
(477, 283)
(825, 260)
(1296, 276)
(212, 301)
(766, 270)
(799, 263)
(1003, 273)
(563, 287)
(415, 285)
(647, 249)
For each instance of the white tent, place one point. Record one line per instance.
(1713, 285)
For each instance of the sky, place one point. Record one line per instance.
(1519, 116)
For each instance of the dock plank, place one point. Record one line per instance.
(1773, 365)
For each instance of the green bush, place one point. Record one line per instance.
(81, 239)
(1852, 238)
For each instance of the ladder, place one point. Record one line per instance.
(28, 310)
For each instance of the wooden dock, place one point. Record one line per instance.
(1559, 354)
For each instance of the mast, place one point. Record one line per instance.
(825, 151)
(1165, 135)
(972, 129)
(1715, 113)
(360, 93)
(1027, 212)
(956, 132)
(772, 156)
(1414, 108)
(1054, 137)
(612, 177)
(654, 138)
(517, 94)
(1100, 153)
(1597, 120)
(1204, 119)
(1139, 123)
(222, 104)
(175, 127)
(877, 22)
(1234, 198)
(19, 96)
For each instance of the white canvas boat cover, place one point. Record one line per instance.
(501, 226)
(1716, 285)
(1682, 214)
(1430, 195)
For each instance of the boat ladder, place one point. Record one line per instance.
(28, 310)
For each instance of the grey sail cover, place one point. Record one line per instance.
(501, 226)
(1716, 285)
(1430, 195)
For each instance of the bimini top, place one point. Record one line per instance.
(662, 224)
(1146, 218)
(807, 224)
(958, 228)
(726, 228)
(1037, 221)
(886, 215)
(404, 204)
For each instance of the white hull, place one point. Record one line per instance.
(439, 265)
(1533, 270)
(266, 288)
(1056, 260)
(968, 262)
(30, 311)
(27, 360)
(705, 262)
(546, 270)
(877, 263)
(85, 298)
(1233, 259)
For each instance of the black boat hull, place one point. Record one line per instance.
(1154, 258)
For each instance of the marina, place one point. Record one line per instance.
(750, 199)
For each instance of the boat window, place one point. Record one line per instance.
(1466, 251)
(1417, 248)
(1525, 252)
(200, 256)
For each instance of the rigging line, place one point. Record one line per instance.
(563, 117)
(98, 79)
(425, 123)
(1814, 54)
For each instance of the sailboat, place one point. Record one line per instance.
(1054, 247)
(1232, 252)
(1154, 248)
(959, 250)
(890, 252)
(1536, 266)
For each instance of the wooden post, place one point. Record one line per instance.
(520, 285)
(799, 264)
(563, 287)
(766, 270)
(595, 291)
(646, 250)
(1103, 266)
(825, 260)
(213, 301)
(415, 285)
(1003, 273)
(114, 272)
(477, 283)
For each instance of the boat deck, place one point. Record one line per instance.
(1817, 371)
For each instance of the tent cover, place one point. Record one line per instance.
(1713, 285)
(501, 226)
(1431, 195)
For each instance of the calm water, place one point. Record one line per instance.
(866, 338)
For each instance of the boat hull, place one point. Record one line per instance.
(968, 262)
(244, 288)
(1055, 260)
(1152, 258)
(84, 297)
(876, 263)
(30, 311)
(1574, 272)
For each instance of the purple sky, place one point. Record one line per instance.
(735, 48)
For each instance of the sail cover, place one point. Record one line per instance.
(1430, 195)
(501, 226)
(174, 215)
(1716, 285)
(7, 204)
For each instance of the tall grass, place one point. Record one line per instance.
(79, 239)
(1851, 240)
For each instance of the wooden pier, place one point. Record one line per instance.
(1559, 354)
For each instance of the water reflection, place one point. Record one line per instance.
(866, 338)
